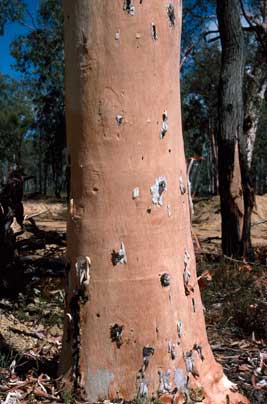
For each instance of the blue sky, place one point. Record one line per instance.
(11, 31)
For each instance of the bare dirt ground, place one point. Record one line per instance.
(31, 321)
(207, 220)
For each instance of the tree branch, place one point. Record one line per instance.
(214, 31)
(187, 53)
(214, 39)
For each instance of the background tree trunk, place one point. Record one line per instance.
(231, 125)
(254, 99)
(134, 320)
(214, 157)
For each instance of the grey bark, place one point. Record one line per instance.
(231, 118)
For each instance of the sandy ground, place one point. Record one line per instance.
(207, 219)
(50, 215)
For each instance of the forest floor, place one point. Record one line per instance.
(31, 321)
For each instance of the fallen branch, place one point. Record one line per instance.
(244, 262)
(28, 217)
(261, 222)
(208, 239)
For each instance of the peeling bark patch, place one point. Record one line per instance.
(171, 14)
(187, 273)
(98, 382)
(182, 186)
(75, 308)
(83, 265)
(154, 31)
(165, 125)
(171, 350)
(169, 210)
(69, 317)
(189, 363)
(76, 212)
(119, 119)
(136, 193)
(129, 7)
(142, 392)
(71, 208)
(119, 257)
(165, 385)
(116, 334)
(157, 190)
(117, 35)
(148, 351)
(165, 280)
(194, 305)
(198, 349)
(180, 328)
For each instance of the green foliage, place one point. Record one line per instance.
(15, 120)
(10, 10)
(40, 58)
(68, 397)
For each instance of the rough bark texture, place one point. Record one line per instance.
(231, 125)
(134, 319)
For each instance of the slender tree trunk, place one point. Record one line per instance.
(134, 321)
(231, 125)
(40, 164)
(254, 99)
(214, 158)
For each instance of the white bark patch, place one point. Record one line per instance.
(187, 273)
(143, 390)
(182, 186)
(119, 119)
(98, 382)
(189, 362)
(253, 113)
(71, 208)
(136, 193)
(12, 398)
(119, 257)
(165, 125)
(180, 379)
(228, 384)
(171, 350)
(82, 266)
(117, 35)
(180, 328)
(169, 210)
(69, 316)
(157, 190)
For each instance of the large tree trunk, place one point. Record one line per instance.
(134, 320)
(231, 125)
